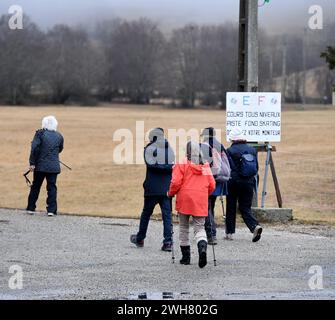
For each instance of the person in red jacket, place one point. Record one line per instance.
(192, 182)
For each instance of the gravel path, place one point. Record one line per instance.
(68, 257)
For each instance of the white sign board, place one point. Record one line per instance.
(257, 114)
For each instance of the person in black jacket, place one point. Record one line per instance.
(241, 185)
(44, 162)
(159, 159)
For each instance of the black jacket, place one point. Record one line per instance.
(45, 149)
(159, 159)
(235, 153)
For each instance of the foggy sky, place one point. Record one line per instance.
(278, 16)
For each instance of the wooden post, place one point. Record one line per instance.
(263, 148)
(276, 182)
(268, 148)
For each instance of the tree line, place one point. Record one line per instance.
(134, 61)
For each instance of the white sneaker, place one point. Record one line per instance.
(257, 233)
(30, 212)
(229, 236)
(50, 214)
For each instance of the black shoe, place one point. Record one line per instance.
(257, 234)
(167, 247)
(186, 252)
(213, 241)
(133, 239)
(202, 248)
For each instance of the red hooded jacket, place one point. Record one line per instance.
(192, 183)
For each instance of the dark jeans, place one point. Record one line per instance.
(150, 203)
(51, 188)
(240, 192)
(210, 225)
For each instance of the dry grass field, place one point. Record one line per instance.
(305, 159)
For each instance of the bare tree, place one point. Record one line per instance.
(133, 53)
(204, 63)
(134, 60)
(70, 64)
(185, 46)
(218, 62)
(20, 56)
(108, 86)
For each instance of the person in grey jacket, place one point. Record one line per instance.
(44, 162)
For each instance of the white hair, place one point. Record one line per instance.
(50, 123)
(193, 152)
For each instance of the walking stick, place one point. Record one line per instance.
(66, 166)
(223, 211)
(211, 223)
(27, 179)
(172, 233)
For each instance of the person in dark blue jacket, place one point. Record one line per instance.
(44, 162)
(210, 142)
(241, 185)
(159, 159)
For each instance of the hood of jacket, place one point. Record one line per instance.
(196, 168)
(199, 169)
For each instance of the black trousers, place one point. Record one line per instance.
(51, 188)
(210, 225)
(240, 192)
(150, 203)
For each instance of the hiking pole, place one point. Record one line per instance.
(28, 182)
(172, 233)
(66, 166)
(223, 211)
(211, 223)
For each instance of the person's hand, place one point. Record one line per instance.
(168, 195)
(32, 168)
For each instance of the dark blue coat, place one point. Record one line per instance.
(235, 152)
(45, 149)
(159, 159)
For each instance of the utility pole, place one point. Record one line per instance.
(304, 43)
(248, 54)
(270, 65)
(248, 79)
(284, 69)
(284, 65)
(248, 46)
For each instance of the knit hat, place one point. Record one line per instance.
(208, 132)
(237, 135)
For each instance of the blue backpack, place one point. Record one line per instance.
(248, 165)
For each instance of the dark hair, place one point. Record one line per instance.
(155, 134)
(209, 132)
